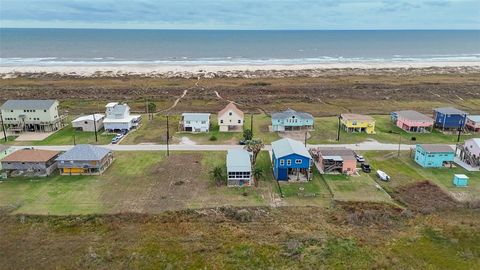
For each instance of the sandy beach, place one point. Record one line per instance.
(243, 71)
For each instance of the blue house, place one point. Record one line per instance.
(433, 155)
(449, 118)
(291, 160)
(291, 120)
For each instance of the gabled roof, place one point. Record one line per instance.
(89, 117)
(358, 117)
(28, 104)
(413, 116)
(285, 147)
(230, 107)
(195, 116)
(450, 110)
(30, 155)
(343, 152)
(475, 141)
(238, 160)
(84, 152)
(436, 148)
(289, 113)
(111, 104)
(474, 118)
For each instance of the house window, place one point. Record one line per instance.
(230, 113)
(282, 162)
(221, 121)
(239, 121)
(44, 110)
(298, 161)
(86, 122)
(204, 122)
(188, 122)
(289, 162)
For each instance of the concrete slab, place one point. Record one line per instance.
(33, 136)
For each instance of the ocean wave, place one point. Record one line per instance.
(231, 60)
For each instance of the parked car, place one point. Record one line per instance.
(117, 138)
(383, 176)
(360, 158)
(242, 142)
(366, 168)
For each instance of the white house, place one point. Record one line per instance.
(195, 122)
(86, 122)
(118, 117)
(230, 118)
(31, 115)
(239, 168)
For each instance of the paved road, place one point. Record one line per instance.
(366, 146)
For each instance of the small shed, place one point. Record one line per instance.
(460, 180)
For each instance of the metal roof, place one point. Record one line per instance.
(238, 160)
(413, 115)
(196, 116)
(343, 152)
(89, 117)
(287, 146)
(289, 113)
(462, 176)
(474, 118)
(357, 117)
(84, 152)
(28, 104)
(450, 110)
(436, 148)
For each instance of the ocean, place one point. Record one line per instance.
(46, 47)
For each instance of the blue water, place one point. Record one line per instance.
(192, 47)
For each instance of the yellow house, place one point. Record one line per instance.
(357, 123)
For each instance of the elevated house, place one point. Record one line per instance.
(469, 152)
(434, 155)
(412, 121)
(31, 115)
(291, 161)
(85, 159)
(118, 118)
(473, 123)
(89, 122)
(449, 118)
(32, 162)
(352, 122)
(239, 168)
(230, 119)
(335, 160)
(290, 120)
(5, 150)
(195, 122)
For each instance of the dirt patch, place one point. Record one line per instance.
(425, 197)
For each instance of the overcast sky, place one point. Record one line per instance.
(242, 14)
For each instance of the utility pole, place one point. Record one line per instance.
(3, 128)
(338, 132)
(168, 138)
(306, 138)
(251, 123)
(95, 127)
(74, 140)
(399, 144)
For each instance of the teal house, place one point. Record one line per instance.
(433, 155)
(291, 120)
(460, 180)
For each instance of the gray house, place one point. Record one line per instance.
(239, 168)
(31, 115)
(30, 162)
(85, 159)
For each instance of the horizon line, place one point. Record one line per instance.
(208, 29)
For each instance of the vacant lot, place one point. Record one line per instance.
(405, 171)
(143, 182)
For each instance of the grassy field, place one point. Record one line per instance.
(138, 182)
(356, 188)
(311, 193)
(405, 170)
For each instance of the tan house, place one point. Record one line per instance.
(31, 115)
(230, 119)
(30, 162)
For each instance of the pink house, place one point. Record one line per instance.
(412, 121)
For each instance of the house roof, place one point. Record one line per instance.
(238, 160)
(332, 152)
(230, 107)
(30, 155)
(475, 140)
(449, 110)
(289, 113)
(462, 176)
(127, 119)
(287, 146)
(89, 117)
(84, 152)
(474, 118)
(28, 104)
(111, 104)
(358, 117)
(195, 116)
(414, 115)
(436, 148)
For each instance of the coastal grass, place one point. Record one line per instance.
(358, 188)
(405, 170)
